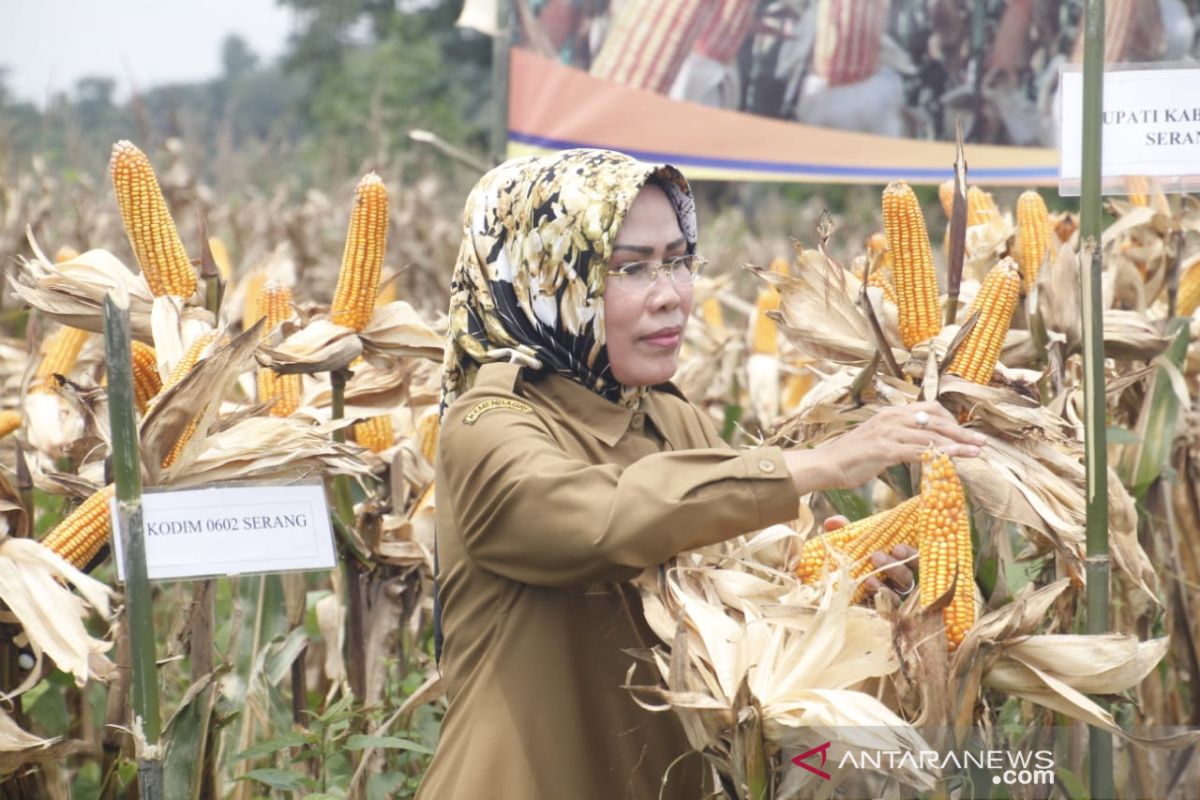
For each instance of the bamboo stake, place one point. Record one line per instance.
(128, 473)
(1100, 745)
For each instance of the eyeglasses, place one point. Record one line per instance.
(640, 275)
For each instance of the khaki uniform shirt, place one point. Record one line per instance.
(549, 499)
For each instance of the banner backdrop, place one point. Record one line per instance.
(851, 91)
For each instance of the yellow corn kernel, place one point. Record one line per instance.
(877, 245)
(79, 537)
(60, 352)
(977, 355)
(220, 254)
(781, 266)
(387, 290)
(796, 386)
(714, 318)
(944, 532)
(427, 435)
(146, 380)
(191, 357)
(917, 300)
(1033, 230)
(9, 421)
(255, 282)
(1137, 188)
(946, 196)
(765, 331)
(65, 253)
(858, 540)
(362, 260)
(1189, 291)
(376, 434)
(275, 304)
(152, 232)
(177, 449)
(981, 207)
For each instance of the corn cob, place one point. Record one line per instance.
(254, 286)
(714, 318)
(848, 34)
(79, 537)
(220, 254)
(152, 232)
(917, 298)
(362, 260)
(977, 355)
(1137, 188)
(881, 531)
(191, 357)
(376, 434)
(387, 291)
(9, 421)
(796, 386)
(765, 332)
(146, 380)
(1033, 224)
(1189, 291)
(881, 272)
(61, 351)
(427, 433)
(981, 208)
(946, 196)
(65, 253)
(876, 244)
(647, 43)
(945, 545)
(275, 303)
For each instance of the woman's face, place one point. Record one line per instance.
(644, 328)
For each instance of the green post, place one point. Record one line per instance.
(127, 471)
(1100, 746)
(500, 46)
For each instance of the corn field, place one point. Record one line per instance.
(279, 340)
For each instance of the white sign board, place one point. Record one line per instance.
(231, 530)
(1151, 128)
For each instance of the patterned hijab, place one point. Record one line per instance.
(528, 286)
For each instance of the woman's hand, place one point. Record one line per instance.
(894, 435)
(898, 568)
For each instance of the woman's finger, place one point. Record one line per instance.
(896, 573)
(923, 441)
(944, 423)
(835, 522)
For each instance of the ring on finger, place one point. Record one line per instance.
(922, 419)
(906, 592)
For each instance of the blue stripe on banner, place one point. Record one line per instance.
(792, 168)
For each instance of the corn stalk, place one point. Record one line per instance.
(127, 471)
(1100, 742)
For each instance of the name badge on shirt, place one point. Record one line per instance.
(496, 402)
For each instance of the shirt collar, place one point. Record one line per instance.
(603, 418)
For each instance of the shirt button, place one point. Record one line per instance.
(639, 419)
(767, 465)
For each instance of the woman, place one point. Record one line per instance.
(568, 463)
